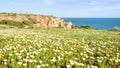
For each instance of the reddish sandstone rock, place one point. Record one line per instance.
(42, 21)
(68, 25)
(49, 21)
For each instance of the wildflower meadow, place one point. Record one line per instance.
(59, 48)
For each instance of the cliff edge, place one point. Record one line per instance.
(32, 20)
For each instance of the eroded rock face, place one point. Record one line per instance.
(42, 21)
(68, 25)
(56, 22)
(21, 18)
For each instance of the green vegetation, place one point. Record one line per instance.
(12, 23)
(59, 48)
(84, 27)
(115, 29)
(14, 20)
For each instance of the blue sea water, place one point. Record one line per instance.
(101, 23)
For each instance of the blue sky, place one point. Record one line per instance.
(64, 8)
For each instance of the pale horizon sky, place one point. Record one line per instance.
(64, 8)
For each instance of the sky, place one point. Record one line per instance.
(64, 8)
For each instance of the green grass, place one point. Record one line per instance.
(59, 48)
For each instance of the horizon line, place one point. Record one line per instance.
(56, 15)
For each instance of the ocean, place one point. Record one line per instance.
(101, 23)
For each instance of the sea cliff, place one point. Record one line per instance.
(32, 20)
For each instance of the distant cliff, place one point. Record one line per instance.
(32, 20)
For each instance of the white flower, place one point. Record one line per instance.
(12, 59)
(40, 61)
(94, 66)
(59, 58)
(100, 61)
(17, 54)
(68, 66)
(83, 58)
(62, 54)
(81, 54)
(81, 64)
(72, 49)
(55, 53)
(117, 60)
(35, 61)
(26, 60)
(44, 57)
(38, 66)
(77, 63)
(72, 62)
(24, 64)
(110, 59)
(10, 54)
(53, 59)
(5, 63)
(76, 58)
(30, 61)
(20, 63)
(92, 57)
(43, 65)
(20, 57)
(31, 56)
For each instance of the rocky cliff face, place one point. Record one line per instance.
(43, 21)
(37, 20)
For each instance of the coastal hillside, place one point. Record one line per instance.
(14, 20)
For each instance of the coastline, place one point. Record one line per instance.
(100, 23)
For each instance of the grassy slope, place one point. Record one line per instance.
(75, 47)
(13, 23)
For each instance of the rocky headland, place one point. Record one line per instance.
(33, 20)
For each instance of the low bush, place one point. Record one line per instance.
(115, 29)
(84, 26)
(15, 23)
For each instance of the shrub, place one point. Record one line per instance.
(84, 26)
(27, 22)
(12, 23)
(97, 28)
(115, 29)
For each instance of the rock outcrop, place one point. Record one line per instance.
(42, 21)
(68, 25)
